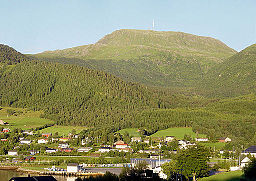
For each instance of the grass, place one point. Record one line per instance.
(177, 133)
(217, 145)
(23, 118)
(62, 130)
(131, 131)
(227, 176)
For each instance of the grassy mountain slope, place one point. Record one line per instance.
(236, 76)
(149, 57)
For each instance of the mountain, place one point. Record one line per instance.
(235, 76)
(168, 59)
(10, 56)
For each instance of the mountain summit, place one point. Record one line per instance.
(160, 58)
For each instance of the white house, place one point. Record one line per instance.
(202, 139)
(42, 141)
(169, 138)
(24, 141)
(12, 153)
(63, 145)
(136, 139)
(245, 161)
(28, 132)
(104, 149)
(85, 149)
(50, 150)
(72, 167)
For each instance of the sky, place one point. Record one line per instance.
(33, 26)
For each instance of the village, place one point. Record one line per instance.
(77, 155)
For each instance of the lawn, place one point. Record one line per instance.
(131, 131)
(177, 133)
(226, 176)
(62, 130)
(23, 118)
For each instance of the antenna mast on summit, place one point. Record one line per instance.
(153, 24)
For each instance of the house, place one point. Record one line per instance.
(64, 139)
(85, 149)
(146, 141)
(154, 156)
(169, 138)
(34, 178)
(50, 150)
(149, 151)
(104, 149)
(28, 132)
(73, 167)
(224, 139)
(24, 141)
(86, 140)
(12, 153)
(245, 161)
(3, 123)
(3, 139)
(42, 141)
(68, 150)
(136, 139)
(202, 139)
(125, 150)
(251, 150)
(120, 144)
(63, 145)
(46, 135)
(30, 158)
(6, 130)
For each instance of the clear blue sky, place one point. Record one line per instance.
(33, 26)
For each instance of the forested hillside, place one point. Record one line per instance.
(9, 55)
(235, 76)
(166, 59)
(75, 95)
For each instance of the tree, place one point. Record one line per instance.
(169, 168)
(193, 161)
(250, 170)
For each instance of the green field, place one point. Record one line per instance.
(23, 118)
(177, 133)
(62, 130)
(227, 176)
(131, 131)
(217, 145)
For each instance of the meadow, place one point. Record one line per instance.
(226, 176)
(62, 130)
(131, 131)
(22, 118)
(178, 133)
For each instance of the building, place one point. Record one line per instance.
(136, 139)
(64, 139)
(12, 153)
(33, 152)
(63, 145)
(245, 161)
(202, 139)
(24, 141)
(73, 167)
(46, 135)
(169, 138)
(42, 141)
(104, 149)
(30, 158)
(120, 144)
(152, 163)
(85, 149)
(3, 123)
(6, 130)
(160, 172)
(28, 132)
(68, 150)
(251, 150)
(224, 139)
(50, 150)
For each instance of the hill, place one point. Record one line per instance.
(235, 76)
(10, 56)
(168, 59)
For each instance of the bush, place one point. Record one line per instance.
(250, 170)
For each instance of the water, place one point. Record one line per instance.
(6, 175)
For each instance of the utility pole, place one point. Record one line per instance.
(153, 25)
